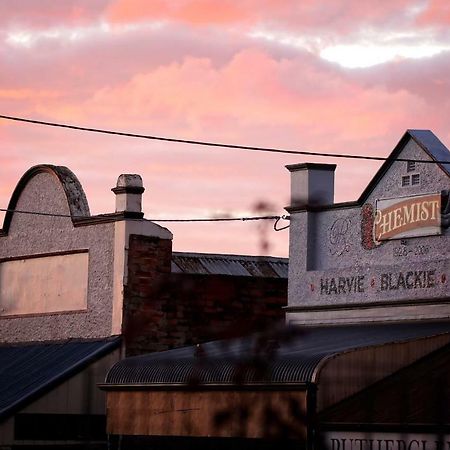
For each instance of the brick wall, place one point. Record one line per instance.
(164, 310)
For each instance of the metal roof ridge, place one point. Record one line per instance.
(230, 257)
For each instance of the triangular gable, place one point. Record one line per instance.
(427, 141)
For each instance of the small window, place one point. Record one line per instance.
(415, 179)
(406, 181)
(410, 166)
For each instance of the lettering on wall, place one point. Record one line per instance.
(407, 217)
(420, 279)
(389, 281)
(342, 285)
(385, 441)
(338, 236)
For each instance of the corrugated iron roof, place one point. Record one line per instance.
(26, 371)
(237, 265)
(297, 354)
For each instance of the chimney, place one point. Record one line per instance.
(311, 184)
(128, 192)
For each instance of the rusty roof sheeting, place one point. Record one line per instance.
(234, 265)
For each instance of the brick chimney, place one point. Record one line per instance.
(311, 184)
(128, 190)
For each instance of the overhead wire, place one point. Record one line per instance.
(175, 220)
(215, 144)
(207, 144)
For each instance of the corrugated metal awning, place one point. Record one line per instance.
(26, 371)
(289, 356)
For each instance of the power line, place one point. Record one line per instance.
(203, 219)
(216, 144)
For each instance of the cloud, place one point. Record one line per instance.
(436, 12)
(31, 14)
(242, 72)
(287, 14)
(199, 12)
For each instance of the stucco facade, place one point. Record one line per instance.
(340, 273)
(79, 293)
(66, 268)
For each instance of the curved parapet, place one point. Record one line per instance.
(77, 205)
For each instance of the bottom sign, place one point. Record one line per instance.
(351, 440)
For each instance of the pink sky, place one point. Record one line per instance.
(328, 76)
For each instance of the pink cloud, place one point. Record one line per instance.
(204, 12)
(336, 16)
(47, 13)
(206, 82)
(436, 12)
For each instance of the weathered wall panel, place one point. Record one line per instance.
(230, 413)
(44, 285)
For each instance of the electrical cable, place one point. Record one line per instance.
(204, 219)
(217, 144)
(276, 223)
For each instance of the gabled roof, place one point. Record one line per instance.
(236, 265)
(294, 356)
(29, 370)
(427, 141)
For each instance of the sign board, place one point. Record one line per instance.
(414, 216)
(58, 283)
(360, 440)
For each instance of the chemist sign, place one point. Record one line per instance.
(404, 217)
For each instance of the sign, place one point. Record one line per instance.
(407, 217)
(352, 440)
(385, 281)
(58, 283)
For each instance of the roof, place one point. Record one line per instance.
(237, 265)
(30, 370)
(426, 140)
(288, 356)
(433, 146)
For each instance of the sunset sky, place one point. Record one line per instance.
(338, 76)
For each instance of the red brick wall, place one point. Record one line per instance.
(164, 310)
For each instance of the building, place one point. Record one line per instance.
(80, 292)
(364, 361)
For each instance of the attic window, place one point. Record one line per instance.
(415, 179)
(406, 180)
(410, 166)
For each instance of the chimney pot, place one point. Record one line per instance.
(129, 190)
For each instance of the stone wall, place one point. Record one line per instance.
(164, 310)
